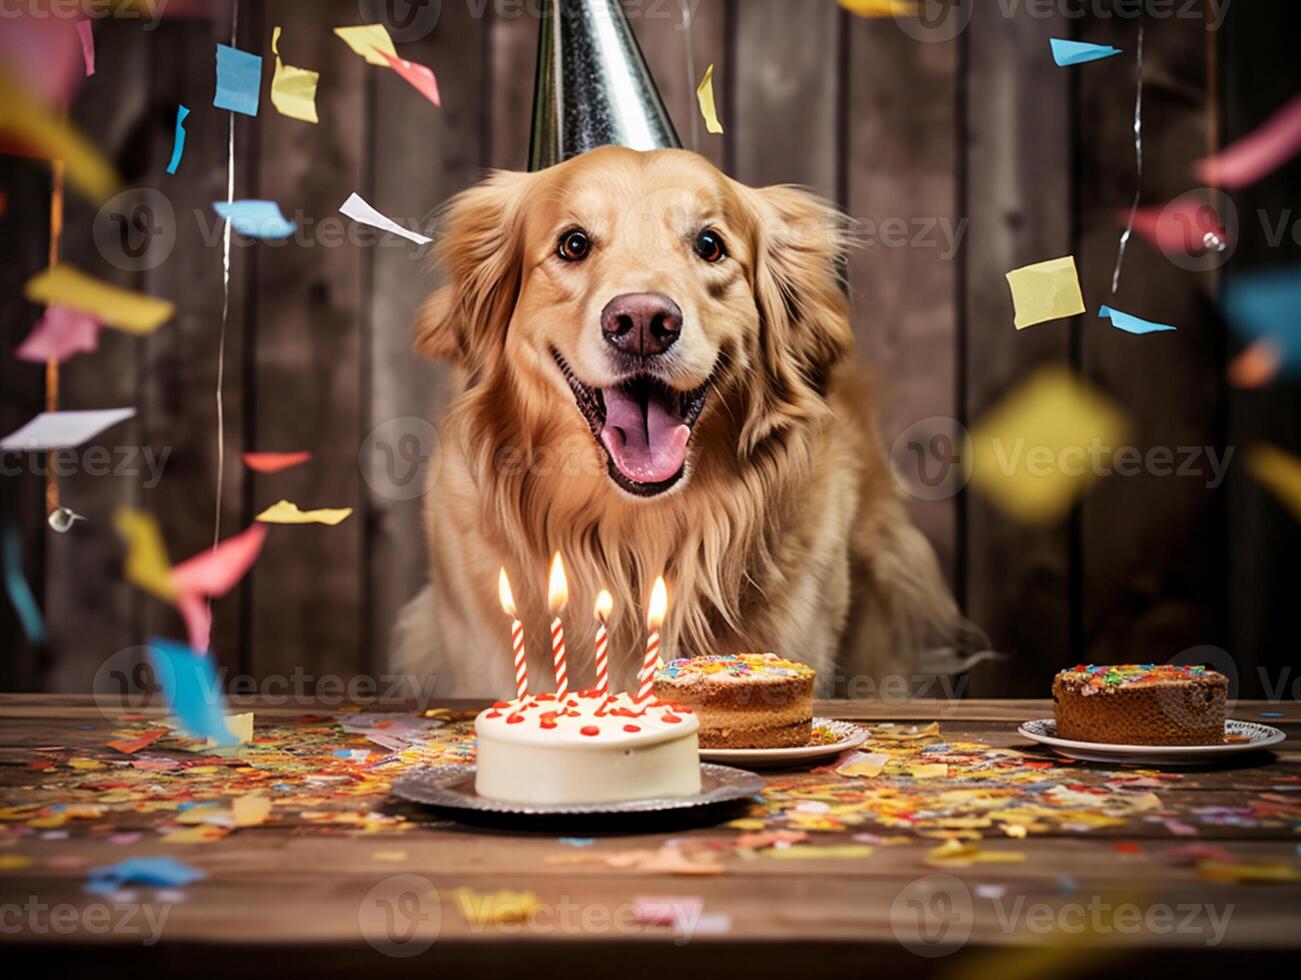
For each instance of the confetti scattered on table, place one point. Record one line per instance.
(358, 210)
(705, 96)
(63, 430)
(1066, 53)
(495, 908)
(286, 512)
(1130, 323)
(113, 306)
(293, 90)
(239, 80)
(1045, 291)
(256, 219)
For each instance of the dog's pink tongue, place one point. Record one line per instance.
(647, 443)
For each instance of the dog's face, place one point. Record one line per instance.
(649, 292)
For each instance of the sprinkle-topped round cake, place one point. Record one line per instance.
(1140, 704)
(593, 747)
(744, 700)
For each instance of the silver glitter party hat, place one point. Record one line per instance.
(593, 87)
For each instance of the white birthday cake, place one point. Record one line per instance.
(592, 747)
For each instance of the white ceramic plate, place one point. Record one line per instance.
(1256, 736)
(850, 734)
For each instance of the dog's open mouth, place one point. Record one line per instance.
(643, 424)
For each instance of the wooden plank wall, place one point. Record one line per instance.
(969, 136)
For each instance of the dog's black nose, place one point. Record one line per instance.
(643, 324)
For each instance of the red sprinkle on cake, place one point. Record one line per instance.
(1140, 704)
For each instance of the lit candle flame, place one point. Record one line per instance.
(604, 606)
(659, 604)
(503, 592)
(558, 588)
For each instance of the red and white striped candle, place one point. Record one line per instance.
(655, 610)
(557, 596)
(516, 635)
(604, 606)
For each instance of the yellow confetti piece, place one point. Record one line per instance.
(241, 726)
(814, 851)
(495, 908)
(1235, 872)
(369, 40)
(124, 309)
(293, 90)
(746, 823)
(900, 733)
(251, 810)
(705, 96)
(880, 8)
(1279, 472)
(147, 565)
(954, 853)
(1045, 291)
(864, 764)
(31, 126)
(389, 856)
(286, 512)
(12, 862)
(1044, 445)
(85, 764)
(929, 770)
(203, 834)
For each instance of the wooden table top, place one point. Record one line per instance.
(1117, 869)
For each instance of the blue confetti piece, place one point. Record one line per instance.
(156, 872)
(256, 219)
(189, 682)
(178, 143)
(1066, 883)
(239, 80)
(20, 593)
(1130, 323)
(578, 841)
(1267, 305)
(1271, 714)
(1067, 53)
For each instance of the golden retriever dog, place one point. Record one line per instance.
(651, 379)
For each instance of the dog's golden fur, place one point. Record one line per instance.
(785, 533)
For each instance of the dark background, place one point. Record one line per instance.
(980, 128)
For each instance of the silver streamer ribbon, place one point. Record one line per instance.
(1138, 156)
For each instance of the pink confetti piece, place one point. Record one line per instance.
(1188, 226)
(211, 574)
(62, 333)
(420, 77)
(87, 45)
(1257, 154)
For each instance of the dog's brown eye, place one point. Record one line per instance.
(574, 246)
(709, 246)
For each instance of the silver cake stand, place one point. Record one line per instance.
(451, 789)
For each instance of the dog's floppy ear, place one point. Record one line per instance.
(804, 329)
(480, 252)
